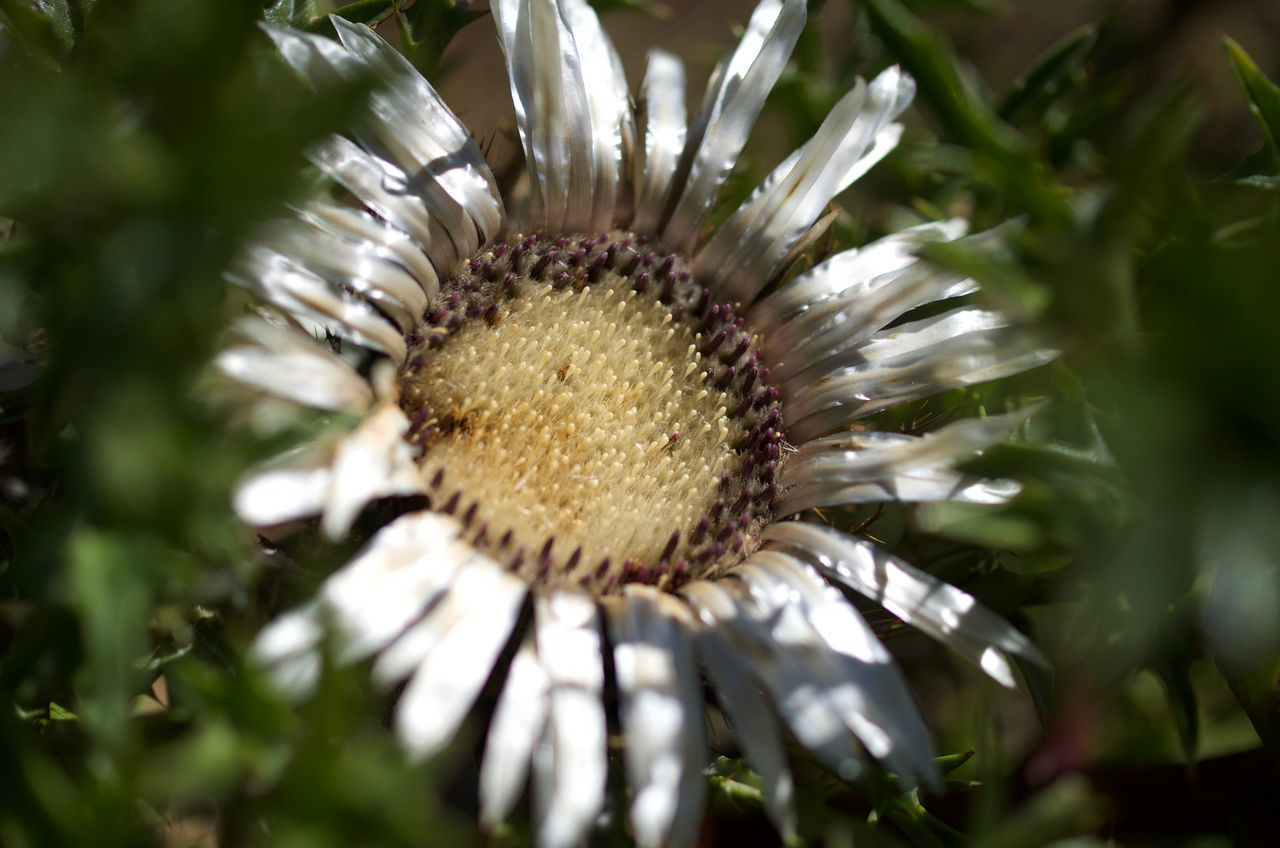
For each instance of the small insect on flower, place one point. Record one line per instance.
(609, 427)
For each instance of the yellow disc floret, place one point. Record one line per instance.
(580, 428)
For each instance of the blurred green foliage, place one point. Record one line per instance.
(141, 140)
(425, 27)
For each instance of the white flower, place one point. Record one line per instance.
(610, 418)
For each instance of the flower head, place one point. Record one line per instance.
(606, 417)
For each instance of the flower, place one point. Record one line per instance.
(603, 422)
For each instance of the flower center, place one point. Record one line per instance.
(590, 416)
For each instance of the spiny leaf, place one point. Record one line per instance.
(292, 13)
(1018, 296)
(924, 829)
(961, 110)
(1067, 808)
(1051, 73)
(371, 12)
(428, 26)
(644, 7)
(1261, 93)
(1181, 695)
(57, 712)
(43, 26)
(948, 763)
(1039, 684)
(1265, 183)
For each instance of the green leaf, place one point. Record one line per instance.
(962, 111)
(428, 26)
(293, 13)
(737, 783)
(1018, 296)
(1265, 183)
(1086, 465)
(1181, 695)
(1039, 685)
(1262, 95)
(924, 829)
(32, 715)
(948, 763)
(1147, 173)
(308, 14)
(644, 7)
(1052, 73)
(980, 524)
(371, 12)
(11, 525)
(112, 598)
(60, 14)
(1066, 808)
(45, 26)
(57, 712)
(981, 7)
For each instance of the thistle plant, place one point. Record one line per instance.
(869, 444)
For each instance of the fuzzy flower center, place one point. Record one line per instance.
(590, 416)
